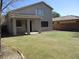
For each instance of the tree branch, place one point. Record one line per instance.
(1, 4)
(7, 4)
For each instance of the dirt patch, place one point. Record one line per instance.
(8, 53)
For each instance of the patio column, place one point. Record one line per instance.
(28, 26)
(23, 25)
(39, 26)
(9, 25)
(14, 26)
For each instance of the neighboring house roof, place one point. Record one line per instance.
(33, 5)
(69, 17)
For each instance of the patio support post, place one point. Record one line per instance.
(39, 27)
(14, 26)
(9, 25)
(28, 26)
(24, 27)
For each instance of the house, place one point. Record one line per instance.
(33, 18)
(69, 22)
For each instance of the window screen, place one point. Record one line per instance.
(18, 23)
(44, 23)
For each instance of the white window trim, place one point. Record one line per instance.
(41, 10)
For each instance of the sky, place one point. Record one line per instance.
(63, 7)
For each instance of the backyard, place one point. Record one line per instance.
(47, 45)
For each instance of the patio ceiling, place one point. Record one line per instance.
(24, 16)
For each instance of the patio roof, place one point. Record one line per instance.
(24, 16)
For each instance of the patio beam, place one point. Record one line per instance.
(28, 26)
(39, 26)
(14, 26)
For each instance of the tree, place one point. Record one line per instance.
(0, 23)
(55, 14)
(3, 5)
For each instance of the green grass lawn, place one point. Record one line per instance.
(47, 45)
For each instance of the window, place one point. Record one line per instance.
(18, 23)
(44, 24)
(40, 11)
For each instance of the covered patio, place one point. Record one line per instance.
(21, 24)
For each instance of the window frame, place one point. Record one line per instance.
(40, 11)
(18, 23)
(44, 23)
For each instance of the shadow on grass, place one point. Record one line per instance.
(76, 35)
(13, 36)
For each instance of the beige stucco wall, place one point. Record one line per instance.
(32, 10)
(35, 24)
